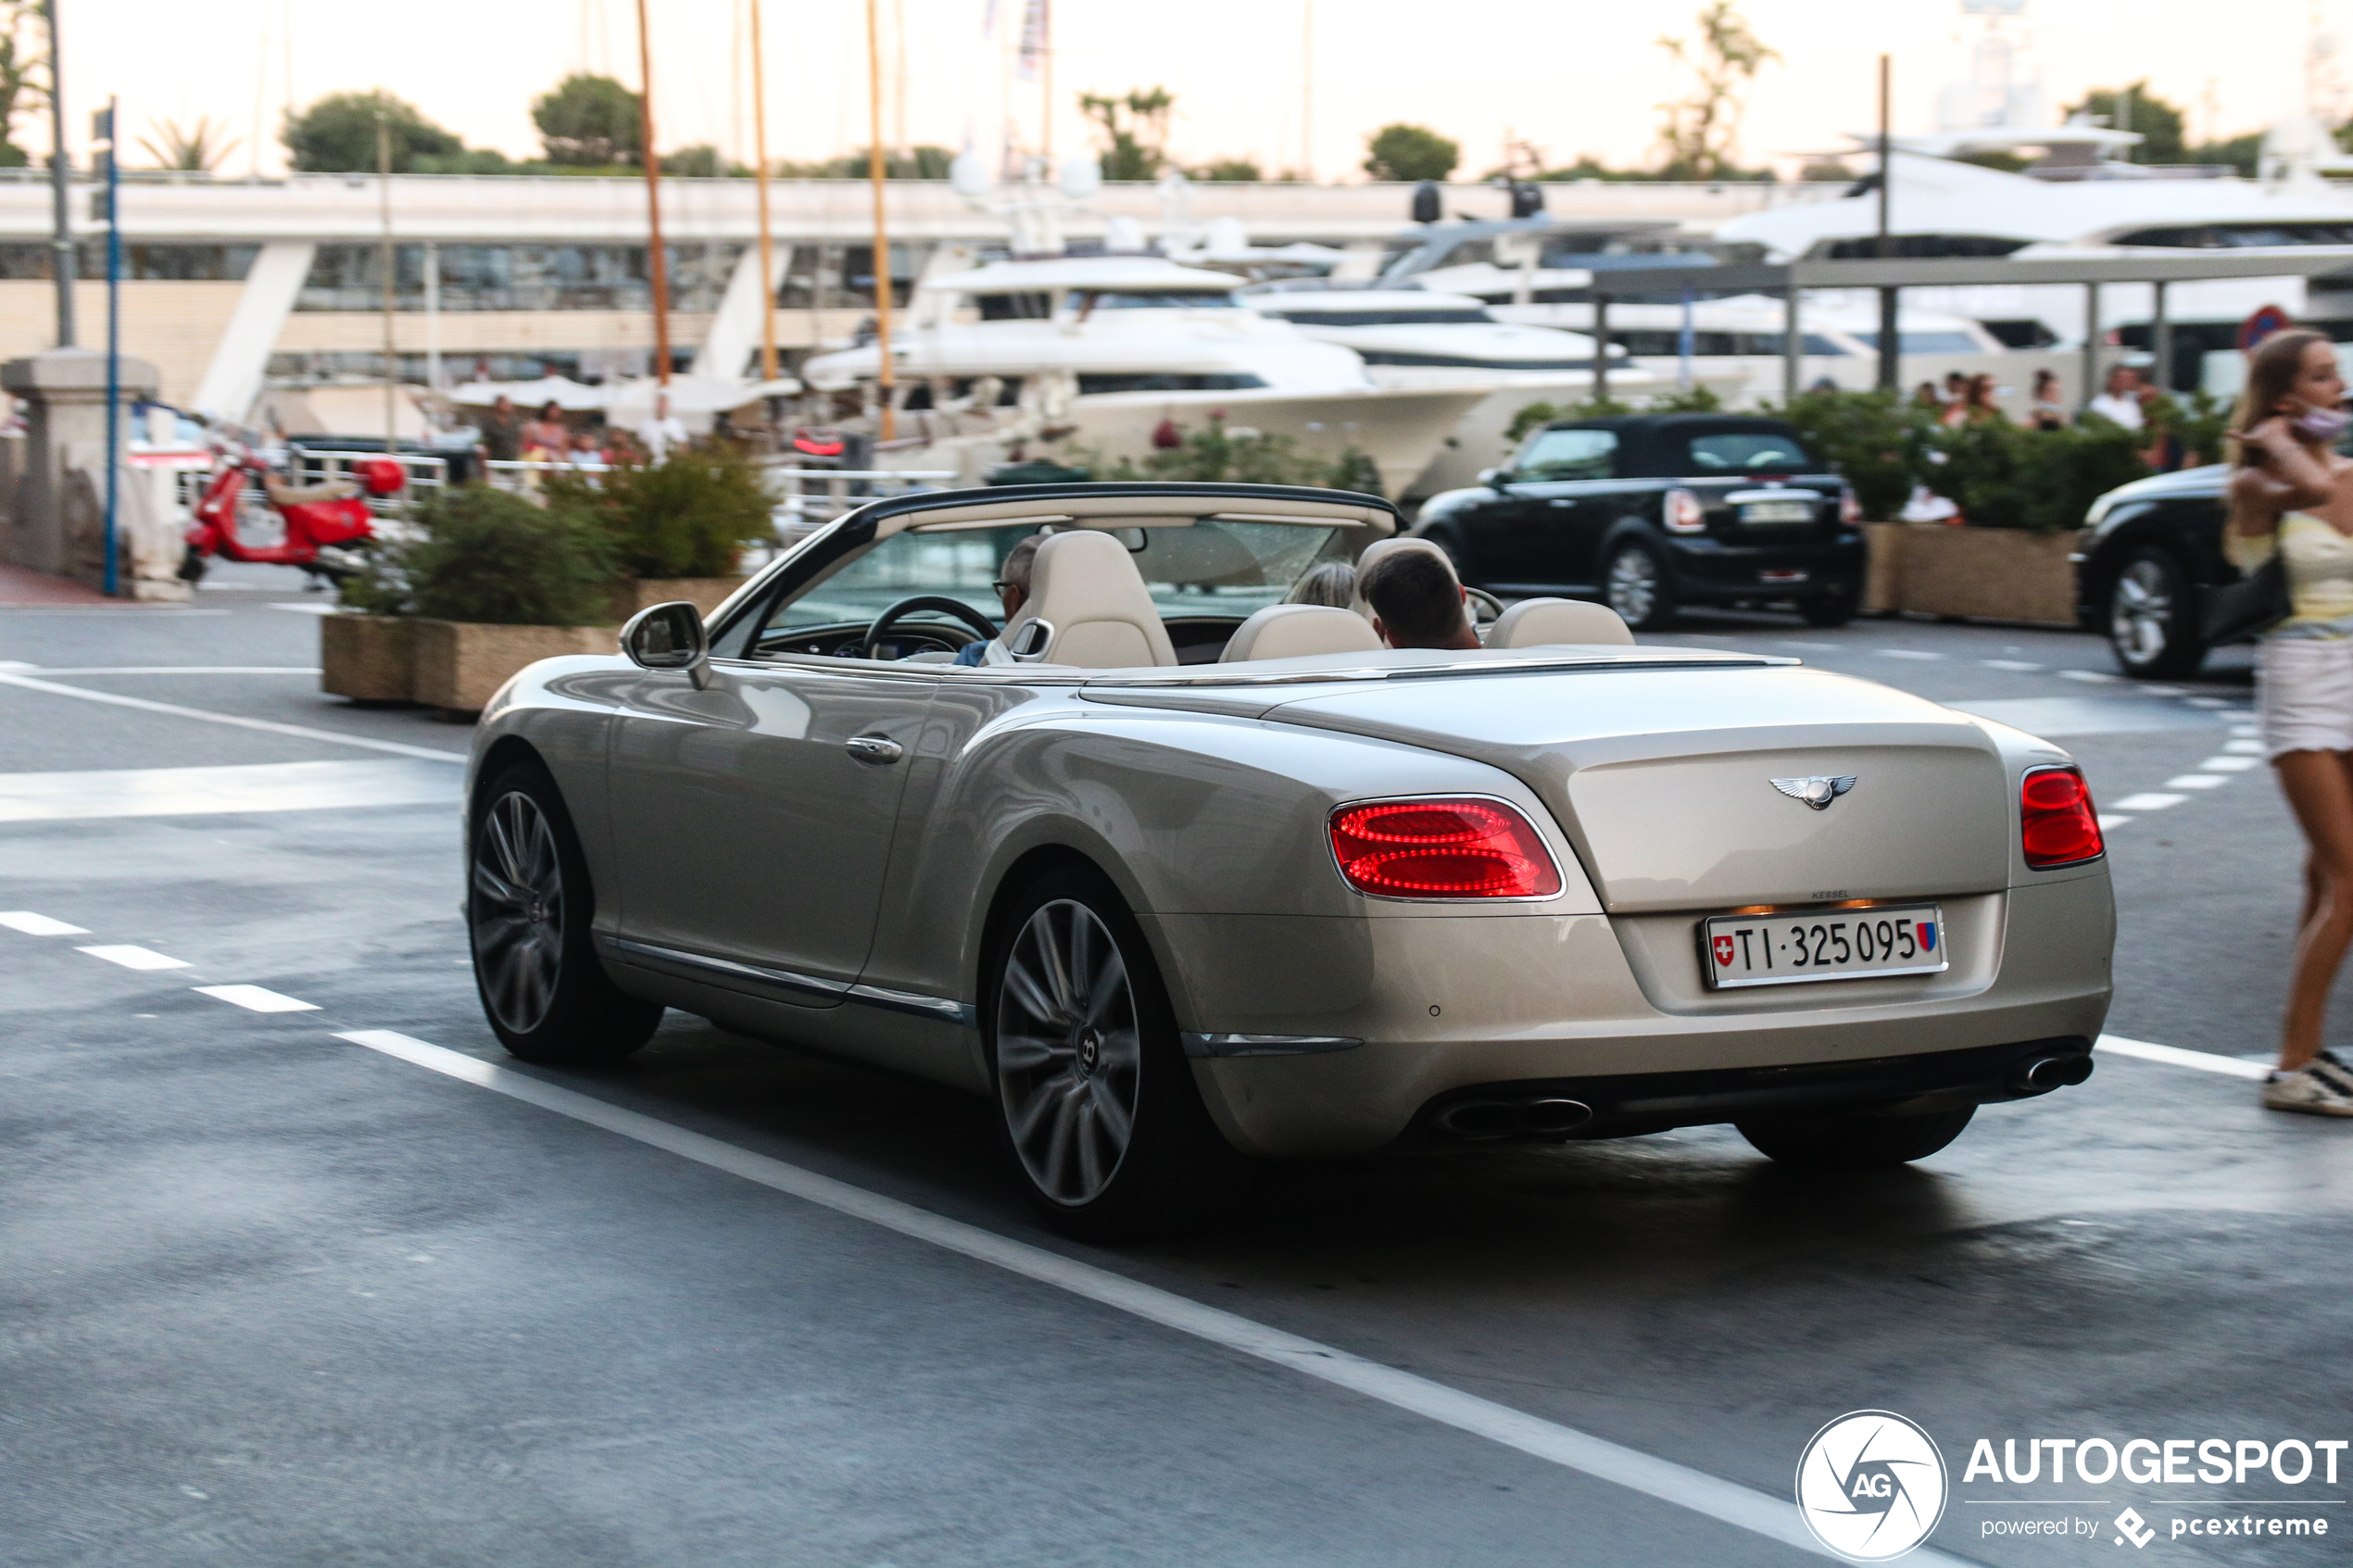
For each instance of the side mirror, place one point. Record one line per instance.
(669, 636)
(1495, 478)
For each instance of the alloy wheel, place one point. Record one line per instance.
(517, 910)
(2141, 611)
(1634, 584)
(1069, 1053)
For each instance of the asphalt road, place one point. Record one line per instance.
(270, 1295)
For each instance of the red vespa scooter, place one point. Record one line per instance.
(318, 516)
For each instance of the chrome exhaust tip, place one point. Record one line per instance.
(2045, 1073)
(1478, 1119)
(1554, 1116)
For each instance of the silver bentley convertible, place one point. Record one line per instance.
(1176, 872)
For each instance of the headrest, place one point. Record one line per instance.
(1541, 622)
(1090, 600)
(1289, 631)
(1380, 548)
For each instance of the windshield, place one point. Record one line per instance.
(1746, 451)
(1223, 569)
(1170, 299)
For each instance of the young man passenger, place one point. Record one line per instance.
(1012, 591)
(1416, 601)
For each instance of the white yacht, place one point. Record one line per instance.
(1414, 339)
(2075, 200)
(1110, 347)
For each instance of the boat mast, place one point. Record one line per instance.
(760, 182)
(886, 383)
(659, 270)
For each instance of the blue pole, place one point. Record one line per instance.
(114, 345)
(1684, 345)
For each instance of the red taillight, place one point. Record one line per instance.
(1685, 514)
(1850, 511)
(1443, 848)
(2057, 824)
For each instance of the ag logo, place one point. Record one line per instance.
(1871, 1486)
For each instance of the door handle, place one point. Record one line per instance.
(873, 749)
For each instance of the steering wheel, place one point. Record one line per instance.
(1485, 606)
(907, 606)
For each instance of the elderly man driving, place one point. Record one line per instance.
(1012, 591)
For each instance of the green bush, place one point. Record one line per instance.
(689, 516)
(1213, 454)
(486, 556)
(1876, 441)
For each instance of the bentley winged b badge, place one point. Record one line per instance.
(1817, 791)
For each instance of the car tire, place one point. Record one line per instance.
(1855, 1143)
(1834, 609)
(529, 909)
(2152, 625)
(1637, 584)
(1096, 1111)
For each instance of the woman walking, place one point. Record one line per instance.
(2291, 493)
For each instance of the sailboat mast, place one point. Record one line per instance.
(658, 258)
(886, 383)
(760, 182)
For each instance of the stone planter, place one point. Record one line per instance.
(367, 657)
(1882, 571)
(644, 593)
(1990, 573)
(460, 666)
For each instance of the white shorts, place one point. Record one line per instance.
(2304, 694)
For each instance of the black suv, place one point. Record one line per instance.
(1650, 512)
(2148, 552)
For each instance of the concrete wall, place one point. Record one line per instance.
(172, 326)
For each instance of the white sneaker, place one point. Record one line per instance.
(2334, 1071)
(2308, 1089)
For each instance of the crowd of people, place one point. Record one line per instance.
(553, 436)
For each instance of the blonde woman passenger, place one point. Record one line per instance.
(2292, 493)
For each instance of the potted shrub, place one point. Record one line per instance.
(678, 527)
(490, 583)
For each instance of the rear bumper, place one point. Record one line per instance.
(1708, 569)
(1628, 1104)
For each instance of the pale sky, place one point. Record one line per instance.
(1573, 77)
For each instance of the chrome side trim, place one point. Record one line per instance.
(939, 1010)
(781, 979)
(1267, 1045)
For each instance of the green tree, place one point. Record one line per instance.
(1410, 153)
(925, 162)
(1136, 147)
(589, 121)
(2134, 108)
(337, 135)
(1702, 127)
(487, 557)
(20, 76)
(198, 150)
(2244, 153)
(1229, 169)
(689, 516)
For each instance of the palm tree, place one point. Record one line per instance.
(198, 150)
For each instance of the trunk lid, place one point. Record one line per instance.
(1663, 778)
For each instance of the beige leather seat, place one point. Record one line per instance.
(1538, 623)
(1086, 608)
(1289, 631)
(1380, 548)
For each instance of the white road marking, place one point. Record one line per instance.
(298, 610)
(2111, 820)
(2205, 702)
(2196, 781)
(331, 738)
(130, 957)
(2246, 731)
(39, 925)
(2017, 665)
(1907, 653)
(172, 669)
(1817, 648)
(1742, 1507)
(2174, 1056)
(255, 997)
(17, 664)
(2244, 747)
(2147, 690)
(264, 787)
(2229, 764)
(2149, 801)
(2099, 676)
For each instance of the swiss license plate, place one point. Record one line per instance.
(1778, 511)
(1822, 945)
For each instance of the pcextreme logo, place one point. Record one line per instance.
(1871, 1486)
